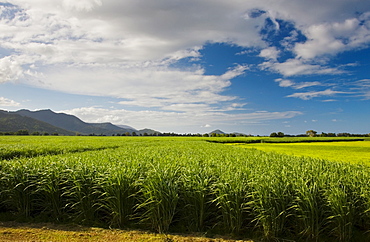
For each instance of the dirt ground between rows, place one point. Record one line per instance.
(40, 232)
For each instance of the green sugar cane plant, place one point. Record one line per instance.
(82, 192)
(272, 200)
(196, 197)
(19, 188)
(159, 195)
(184, 185)
(341, 219)
(344, 198)
(310, 208)
(359, 191)
(51, 187)
(4, 180)
(233, 190)
(363, 197)
(119, 187)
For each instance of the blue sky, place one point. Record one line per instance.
(255, 66)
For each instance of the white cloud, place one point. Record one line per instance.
(329, 100)
(362, 88)
(127, 32)
(125, 49)
(81, 5)
(294, 67)
(5, 102)
(284, 82)
(332, 38)
(153, 86)
(288, 83)
(270, 53)
(306, 84)
(10, 69)
(310, 95)
(173, 121)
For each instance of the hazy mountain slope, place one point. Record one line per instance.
(12, 122)
(70, 122)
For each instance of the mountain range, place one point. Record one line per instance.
(50, 122)
(12, 122)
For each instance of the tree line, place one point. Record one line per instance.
(26, 132)
(309, 133)
(313, 133)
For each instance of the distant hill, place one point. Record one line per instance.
(148, 132)
(12, 122)
(66, 124)
(72, 123)
(217, 131)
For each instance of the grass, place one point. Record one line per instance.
(354, 152)
(185, 185)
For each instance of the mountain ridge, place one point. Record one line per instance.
(12, 122)
(76, 126)
(68, 124)
(72, 123)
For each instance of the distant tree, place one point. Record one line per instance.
(311, 133)
(280, 134)
(46, 133)
(344, 135)
(205, 135)
(134, 134)
(273, 134)
(22, 132)
(35, 133)
(55, 134)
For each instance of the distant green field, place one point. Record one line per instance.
(353, 152)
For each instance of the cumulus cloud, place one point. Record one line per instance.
(284, 82)
(152, 86)
(332, 38)
(10, 69)
(5, 102)
(81, 5)
(270, 53)
(126, 49)
(93, 31)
